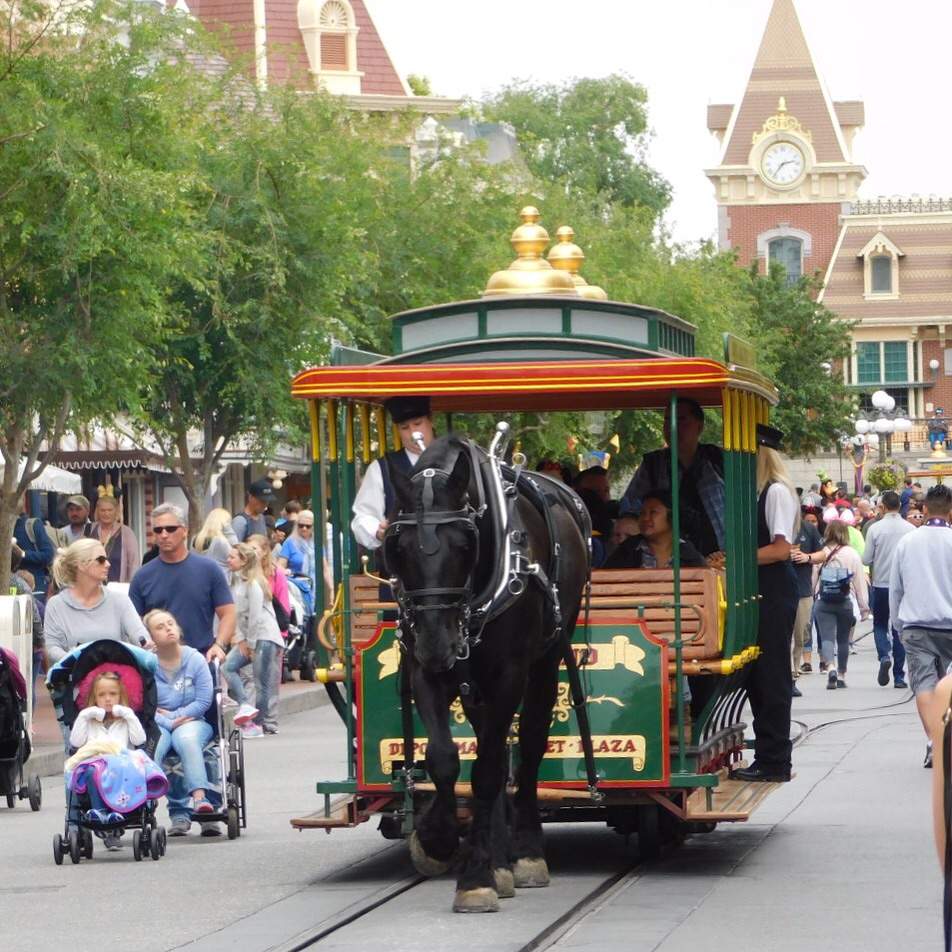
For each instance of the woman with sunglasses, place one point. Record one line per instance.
(85, 610)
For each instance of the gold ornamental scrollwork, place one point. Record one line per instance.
(782, 121)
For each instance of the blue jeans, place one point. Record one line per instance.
(187, 740)
(266, 664)
(881, 632)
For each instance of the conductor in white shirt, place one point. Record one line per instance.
(375, 502)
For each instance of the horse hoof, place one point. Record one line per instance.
(483, 899)
(530, 873)
(427, 865)
(505, 883)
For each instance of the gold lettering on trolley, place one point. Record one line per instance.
(613, 746)
(601, 657)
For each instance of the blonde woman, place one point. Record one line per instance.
(216, 537)
(118, 540)
(257, 641)
(769, 685)
(85, 610)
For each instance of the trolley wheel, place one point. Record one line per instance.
(155, 845)
(307, 668)
(649, 832)
(88, 844)
(35, 793)
(234, 827)
(137, 845)
(11, 800)
(163, 839)
(58, 849)
(75, 851)
(285, 674)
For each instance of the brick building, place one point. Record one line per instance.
(788, 190)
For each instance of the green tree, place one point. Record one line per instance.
(796, 337)
(90, 231)
(588, 135)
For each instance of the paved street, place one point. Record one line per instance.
(841, 856)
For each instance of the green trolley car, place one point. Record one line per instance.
(541, 339)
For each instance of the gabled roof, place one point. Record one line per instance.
(784, 67)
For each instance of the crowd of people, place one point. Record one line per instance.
(224, 597)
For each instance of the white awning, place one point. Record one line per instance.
(52, 479)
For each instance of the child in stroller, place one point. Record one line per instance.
(105, 692)
(14, 738)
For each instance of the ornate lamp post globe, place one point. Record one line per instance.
(882, 401)
(862, 426)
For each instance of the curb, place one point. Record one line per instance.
(48, 761)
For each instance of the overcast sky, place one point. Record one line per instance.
(689, 53)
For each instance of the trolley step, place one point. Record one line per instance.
(731, 801)
(343, 811)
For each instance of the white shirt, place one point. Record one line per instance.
(126, 731)
(781, 512)
(369, 506)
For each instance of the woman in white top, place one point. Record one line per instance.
(85, 610)
(257, 641)
(833, 611)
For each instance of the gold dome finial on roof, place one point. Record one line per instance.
(530, 273)
(567, 256)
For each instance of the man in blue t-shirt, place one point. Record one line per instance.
(190, 586)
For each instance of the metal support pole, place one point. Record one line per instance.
(676, 567)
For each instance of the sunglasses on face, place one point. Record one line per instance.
(305, 525)
(101, 559)
(158, 530)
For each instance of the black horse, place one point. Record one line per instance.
(493, 633)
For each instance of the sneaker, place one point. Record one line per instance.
(203, 806)
(840, 684)
(806, 668)
(882, 679)
(901, 684)
(270, 730)
(115, 818)
(211, 829)
(113, 841)
(927, 762)
(831, 682)
(180, 826)
(796, 691)
(251, 730)
(823, 666)
(95, 816)
(246, 714)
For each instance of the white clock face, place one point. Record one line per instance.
(782, 163)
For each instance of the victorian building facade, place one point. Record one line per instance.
(788, 188)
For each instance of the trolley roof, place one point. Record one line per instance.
(538, 385)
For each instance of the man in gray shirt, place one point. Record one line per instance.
(920, 602)
(251, 521)
(881, 542)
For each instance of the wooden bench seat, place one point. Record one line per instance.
(615, 593)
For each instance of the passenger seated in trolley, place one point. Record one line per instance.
(376, 500)
(701, 481)
(653, 546)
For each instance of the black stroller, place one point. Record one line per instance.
(66, 682)
(14, 737)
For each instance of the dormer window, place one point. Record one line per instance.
(880, 259)
(330, 31)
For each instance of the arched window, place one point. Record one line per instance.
(787, 252)
(880, 259)
(329, 30)
(880, 274)
(333, 24)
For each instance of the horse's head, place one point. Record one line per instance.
(432, 548)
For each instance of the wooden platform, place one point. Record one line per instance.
(345, 811)
(732, 801)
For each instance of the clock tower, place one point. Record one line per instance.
(786, 171)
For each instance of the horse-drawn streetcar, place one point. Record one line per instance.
(576, 679)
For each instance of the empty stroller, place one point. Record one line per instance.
(127, 783)
(14, 738)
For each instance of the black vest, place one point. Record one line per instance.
(400, 461)
(778, 581)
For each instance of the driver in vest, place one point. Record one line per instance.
(374, 505)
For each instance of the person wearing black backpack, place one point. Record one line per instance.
(841, 573)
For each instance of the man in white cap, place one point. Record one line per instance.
(375, 500)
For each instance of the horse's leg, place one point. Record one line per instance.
(499, 846)
(435, 841)
(476, 884)
(529, 866)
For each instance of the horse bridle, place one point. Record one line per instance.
(426, 520)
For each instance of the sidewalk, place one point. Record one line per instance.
(47, 757)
